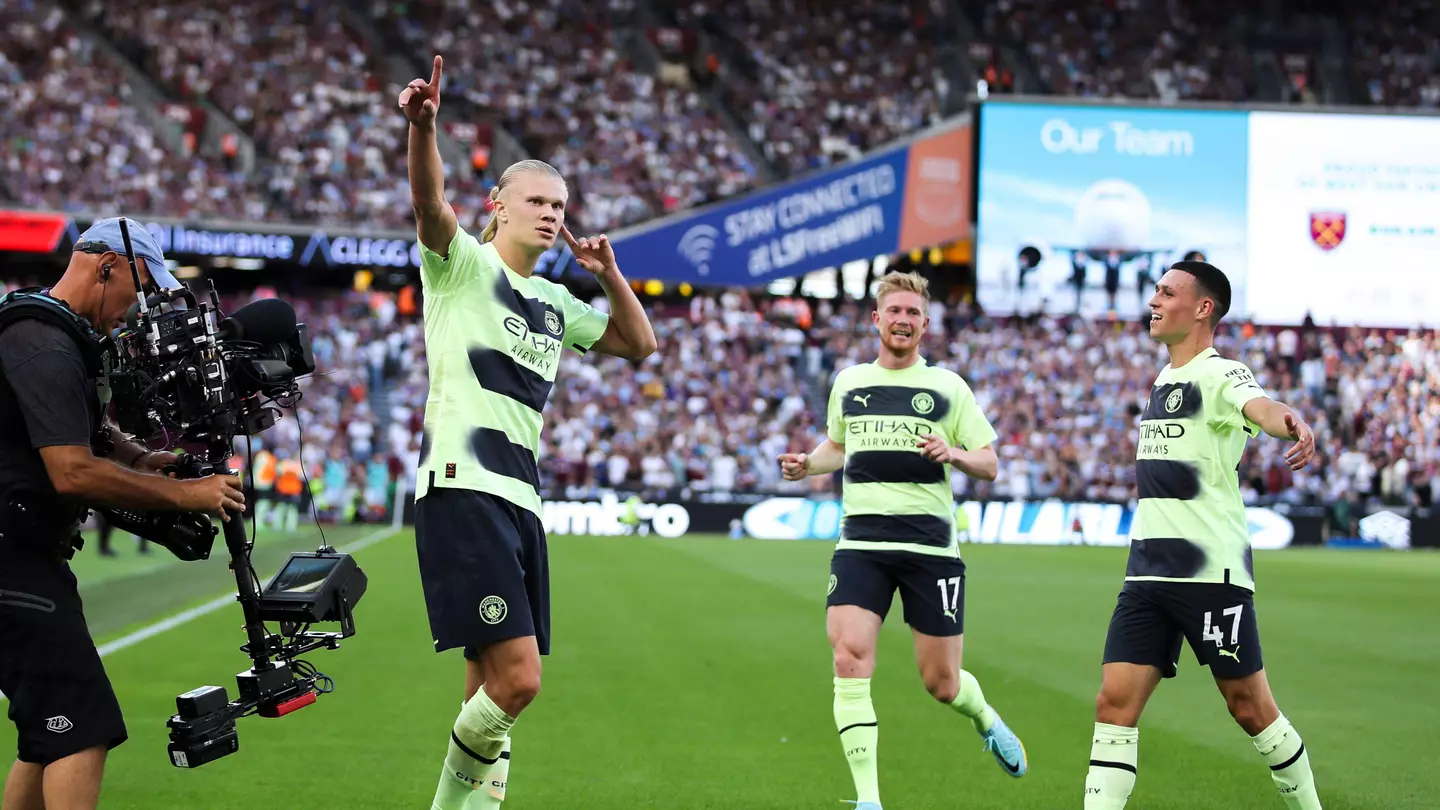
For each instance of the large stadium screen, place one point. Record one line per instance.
(1103, 198)
(1345, 219)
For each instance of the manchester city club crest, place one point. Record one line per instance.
(1327, 229)
(1174, 401)
(552, 322)
(493, 610)
(922, 403)
(833, 582)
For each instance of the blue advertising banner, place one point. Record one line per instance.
(910, 196)
(1082, 207)
(1040, 523)
(787, 231)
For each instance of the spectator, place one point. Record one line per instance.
(1126, 48)
(820, 82)
(631, 146)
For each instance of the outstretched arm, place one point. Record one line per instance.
(435, 221)
(1278, 420)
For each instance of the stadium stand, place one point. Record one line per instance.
(1131, 48)
(817, 82)
(807, 82)
(632, 145)
(810, 83)
(70, 140)
(302, 83)
(734, 384)
(1392, 48)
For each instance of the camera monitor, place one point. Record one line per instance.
(313, 587)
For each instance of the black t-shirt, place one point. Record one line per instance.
(46, 399)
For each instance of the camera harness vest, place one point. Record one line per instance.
(23, 508)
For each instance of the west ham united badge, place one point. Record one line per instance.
(1327, 228)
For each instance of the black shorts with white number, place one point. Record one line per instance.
(485, 569)
(1218, 620)
(932, 588)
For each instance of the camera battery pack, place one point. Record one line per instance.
(197, 753)
(200, 702)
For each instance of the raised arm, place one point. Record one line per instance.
(629, 333)
(435, 221)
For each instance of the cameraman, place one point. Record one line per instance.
(61, 700)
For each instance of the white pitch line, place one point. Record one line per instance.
(152, 630)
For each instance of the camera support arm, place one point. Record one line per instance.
(319, 587)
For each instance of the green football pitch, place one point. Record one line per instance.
(694, 673)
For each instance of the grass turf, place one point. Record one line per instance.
(694, 673)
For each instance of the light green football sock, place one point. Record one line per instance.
(492, 793)
(970, 701)
(1284, 752)
(1114, 755)
(859, 735)
(476, 742)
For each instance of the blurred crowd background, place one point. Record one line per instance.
(283, 110)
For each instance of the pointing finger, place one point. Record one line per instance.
(435, 73)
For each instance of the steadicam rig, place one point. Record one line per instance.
(184, 372)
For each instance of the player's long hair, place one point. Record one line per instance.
(895, 281)
(516, 169)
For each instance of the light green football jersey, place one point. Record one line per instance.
(1190, 524)
(492, 343)
(894, 498)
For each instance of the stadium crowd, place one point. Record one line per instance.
(809, 83)
(1172, 50)
(632, 145)
(735, 383)
(304, 86)
(818, 82)
(1394, 54)
(739, 379)
(70, 141)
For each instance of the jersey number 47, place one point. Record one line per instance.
(1214, 633)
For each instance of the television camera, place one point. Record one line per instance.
(183, 372)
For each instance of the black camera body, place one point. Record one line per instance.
(183, 371)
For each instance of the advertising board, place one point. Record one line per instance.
(1344, 219)
(1105, 198)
